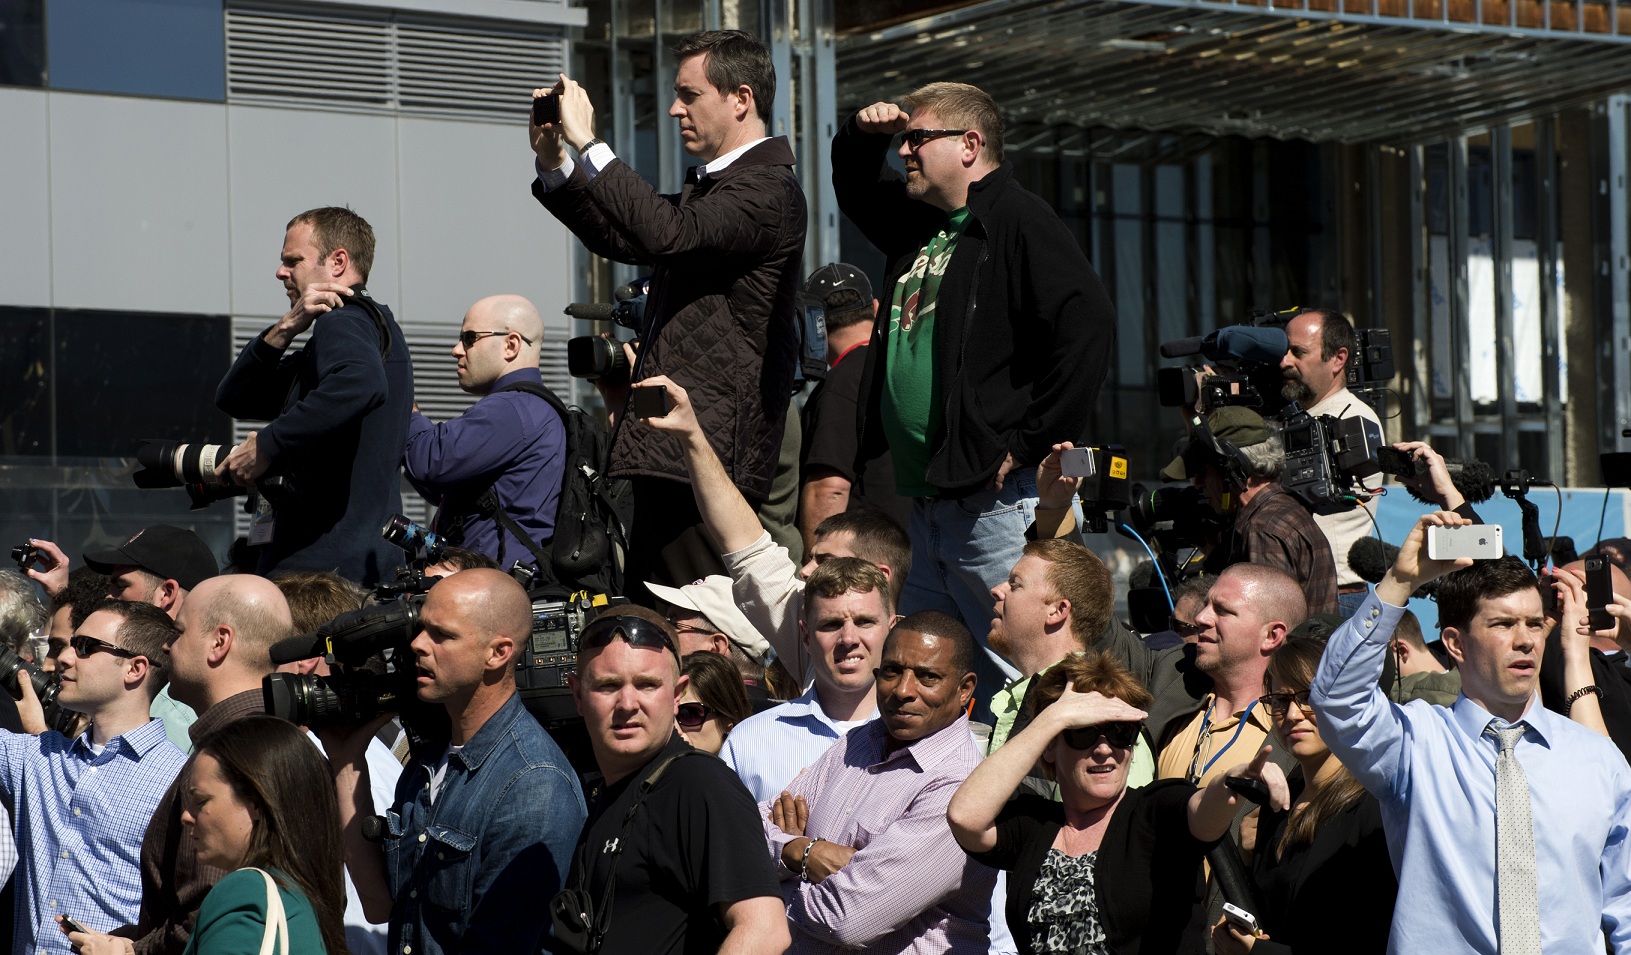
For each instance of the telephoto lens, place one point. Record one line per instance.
(591, 356)
(12, 667)
(418, 541)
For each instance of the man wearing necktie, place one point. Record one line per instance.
(1507, 823)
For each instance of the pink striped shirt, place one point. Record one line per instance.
(909, 887)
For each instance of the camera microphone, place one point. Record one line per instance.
(1474, 479)
(592, 311)
(1371, 558)
(1240, 342)
(302, 647)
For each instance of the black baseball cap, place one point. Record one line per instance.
(840, 287)
(168, 552)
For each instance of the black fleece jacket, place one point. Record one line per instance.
(1023, 327)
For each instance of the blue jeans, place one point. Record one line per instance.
(960, 550)
(1348, 604)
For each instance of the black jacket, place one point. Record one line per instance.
(726, 254)
(339, 422)
(1023, 327)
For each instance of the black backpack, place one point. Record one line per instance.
(590, 545)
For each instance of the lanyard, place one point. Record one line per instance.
(1206, 732)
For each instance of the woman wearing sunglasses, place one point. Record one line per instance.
(1109, 869)
(714, 700)
(1325, 862)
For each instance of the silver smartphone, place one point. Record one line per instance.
(1243, 921)
(1478, 541)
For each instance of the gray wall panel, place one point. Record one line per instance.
(284, 162)
(25, 251)
(138, 204)
(471, 227)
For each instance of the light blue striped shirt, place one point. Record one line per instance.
(80, 820)
(768, 749)
(1433, 770)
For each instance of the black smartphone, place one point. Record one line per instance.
(73, 926)
(649, 402)
(1251, 789)
(546, 109)
(1399, 463)
(1550, 604)
(1599, 593)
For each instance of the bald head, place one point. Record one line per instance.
(489, 601)
(514, 313)
(253, 607)
(508, 335)
(1274, 594)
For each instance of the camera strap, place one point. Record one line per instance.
(600, 916)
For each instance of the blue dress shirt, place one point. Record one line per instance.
(1433, 770)
(80, 822)
(768, 749)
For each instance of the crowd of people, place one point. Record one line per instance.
(870, 690)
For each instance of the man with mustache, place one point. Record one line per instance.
(1315, 369)
(992, 339)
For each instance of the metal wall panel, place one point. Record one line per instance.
(25, 177)
(138, 204)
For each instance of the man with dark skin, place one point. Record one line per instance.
(863, 830)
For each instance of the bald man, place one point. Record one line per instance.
(482, 830)
(220, 651)
(495, 470)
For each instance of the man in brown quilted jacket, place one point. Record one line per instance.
(725, 255)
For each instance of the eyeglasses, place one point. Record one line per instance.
(1279, 704)
(915, 138)
(691, 716)
(84, 646)
(1120, 735)
(1183, 629)
(638, 631)
(469, 339)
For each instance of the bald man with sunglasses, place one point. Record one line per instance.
(510, 444)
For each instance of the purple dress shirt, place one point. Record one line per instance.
(909, 887)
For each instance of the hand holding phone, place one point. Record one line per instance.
(1243, 921)
(1599, 594)
(69, 925)
(1477, 541)
(546, 109)
(650, 401)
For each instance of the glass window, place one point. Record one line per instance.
(22, 43)
(172, 48)
(25, 384)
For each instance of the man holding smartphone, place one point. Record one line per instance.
(1507, 823)
(725, 254)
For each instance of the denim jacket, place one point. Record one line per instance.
(474, 871)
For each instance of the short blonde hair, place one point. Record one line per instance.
(959, 105)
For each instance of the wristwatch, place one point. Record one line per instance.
(590, 145)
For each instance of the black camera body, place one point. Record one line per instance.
(23, 555)
(1327, 456)
(373, 669)
(551, 652)
(591, 356)
(1176, 515)
(13, 669)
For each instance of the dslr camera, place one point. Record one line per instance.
(1245, 364)
(591, 356)
(191, 466)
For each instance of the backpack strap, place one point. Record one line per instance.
(603, 915)
(488, 504)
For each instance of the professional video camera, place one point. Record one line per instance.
(1174, 515)
(372, 667)
(191, 466)
(1327, 457)
(1245, 362)
(591, 356)
(1103, 472)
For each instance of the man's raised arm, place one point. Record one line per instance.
(1363, 728)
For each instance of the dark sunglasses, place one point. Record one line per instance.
(85, 646)
(1184, 629)
(1120, 735)
(915, 138)
(691, 716)
(638, 631)
(469, 339)
(1279, 704)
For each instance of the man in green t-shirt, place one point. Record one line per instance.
(992, 340)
